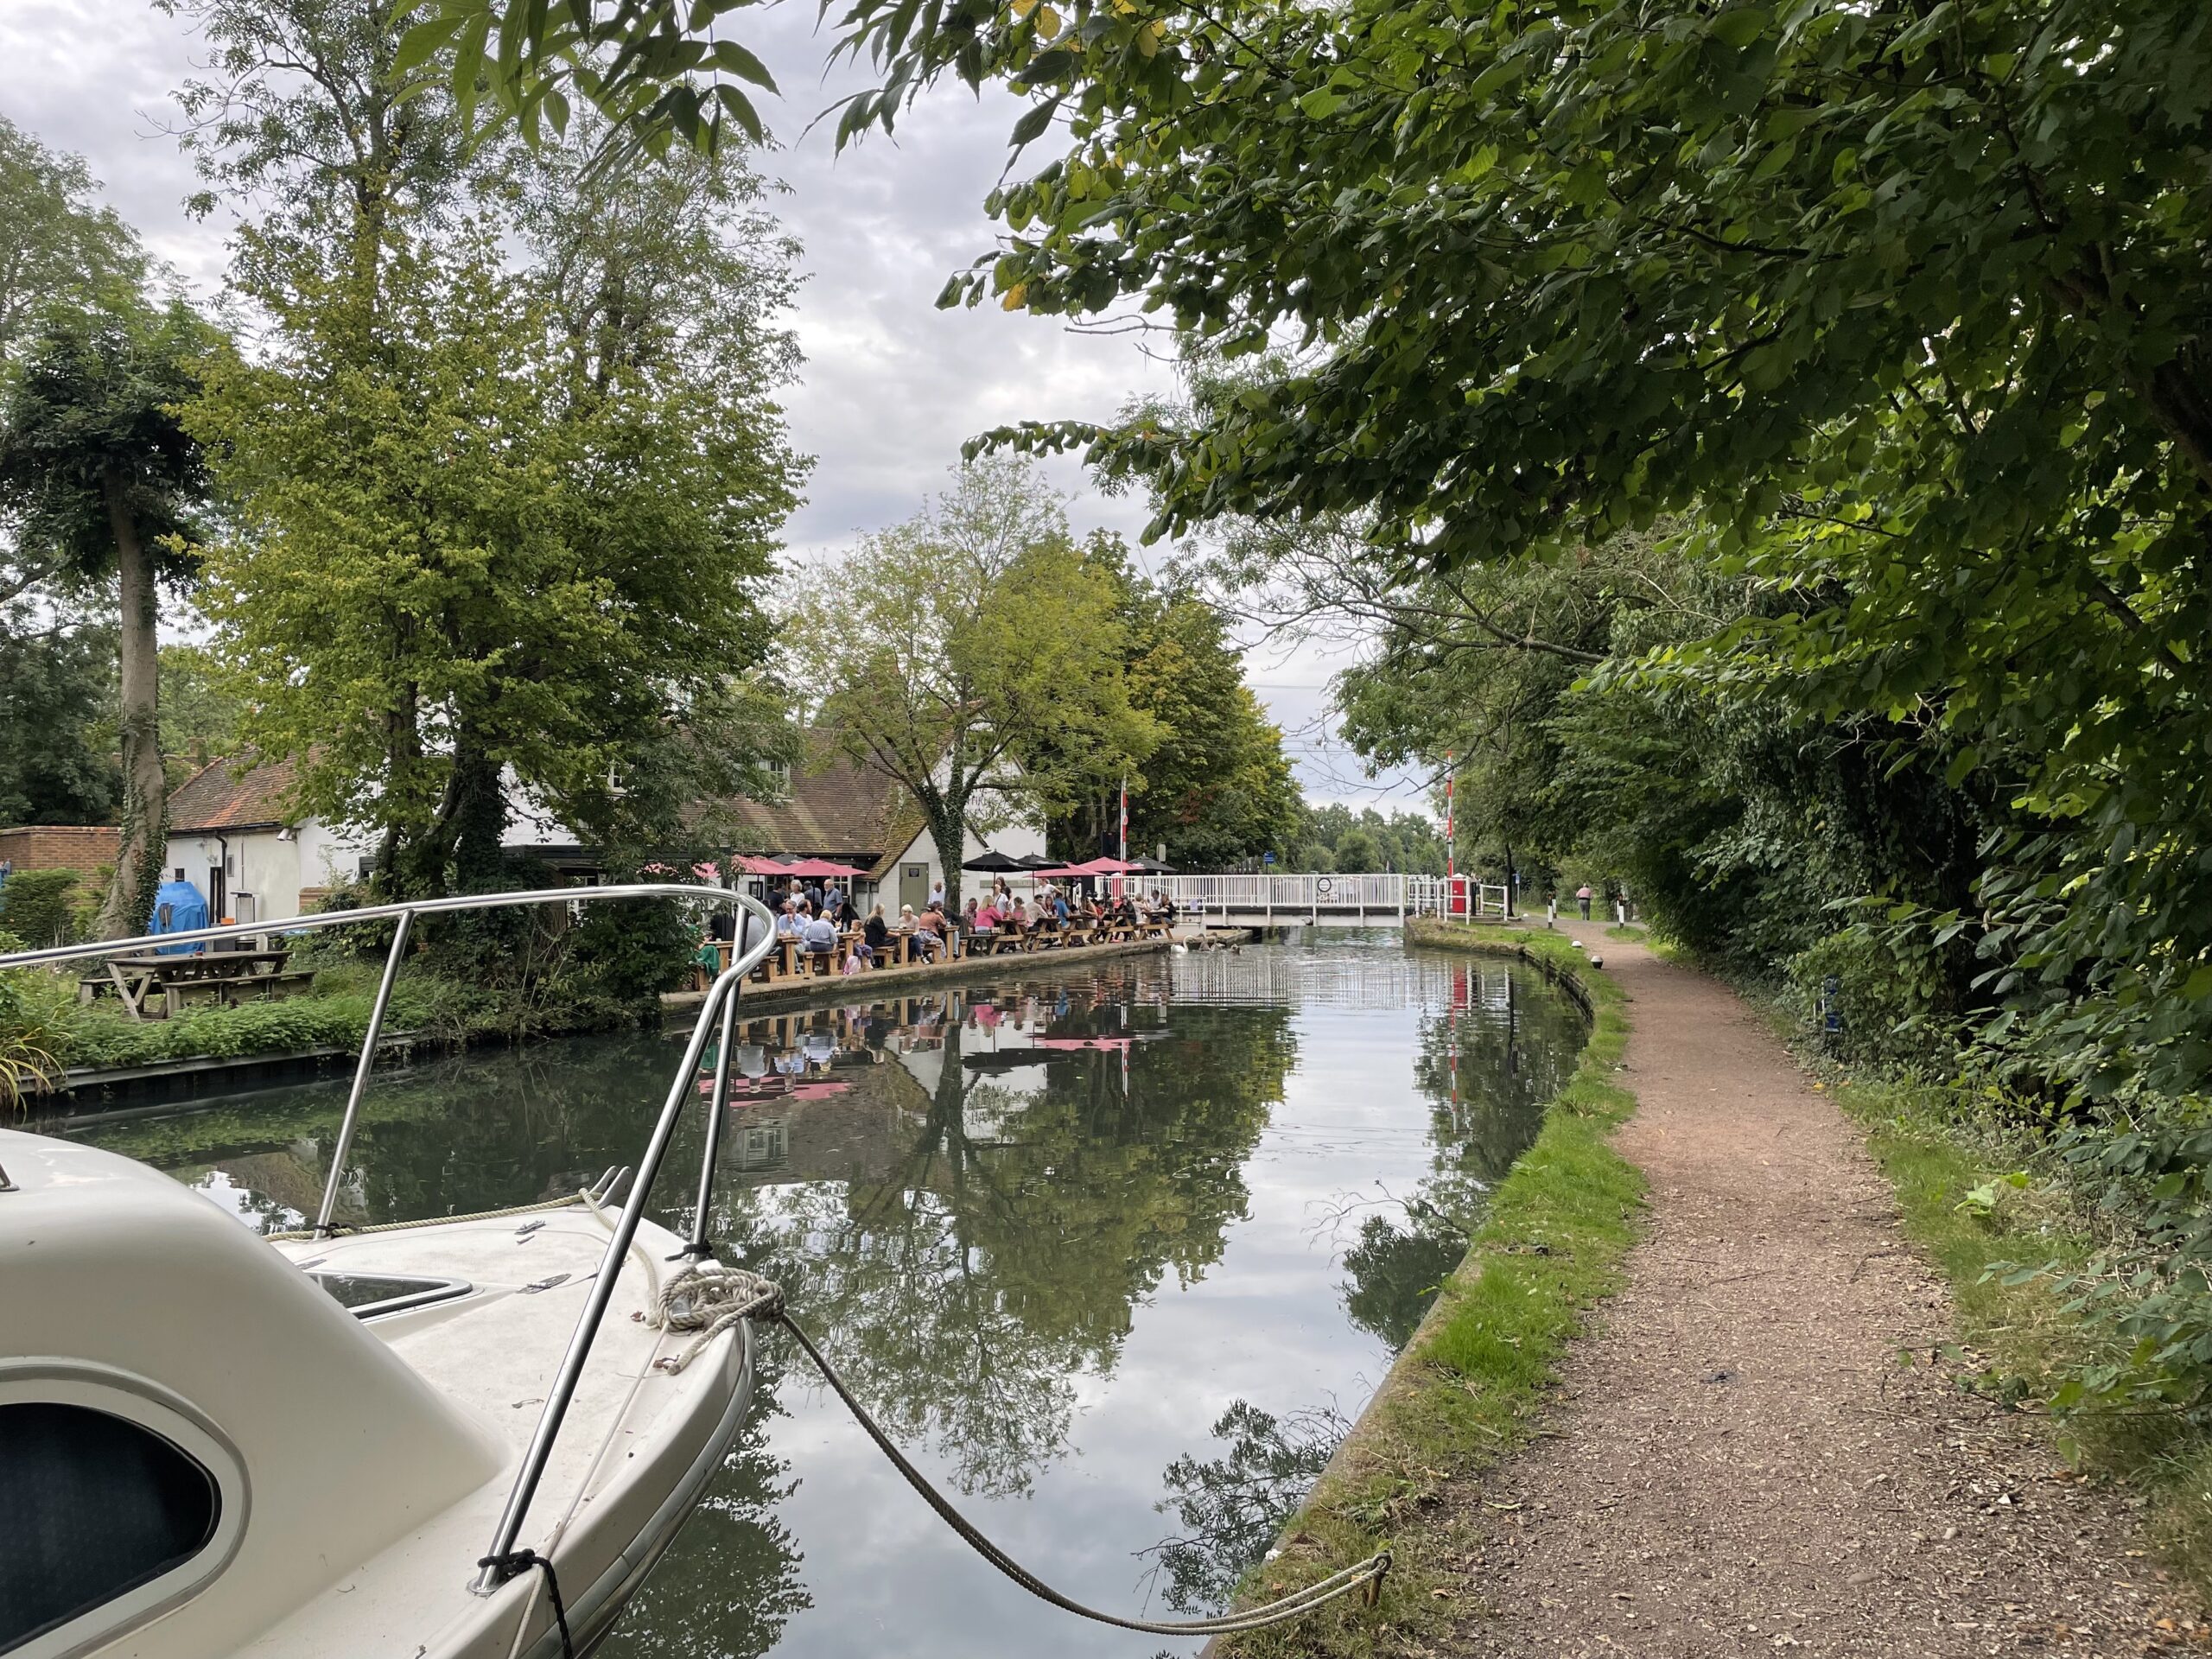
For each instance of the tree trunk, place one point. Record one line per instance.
(948, 832)
(145, 839)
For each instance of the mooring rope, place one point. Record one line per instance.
(711, 1299)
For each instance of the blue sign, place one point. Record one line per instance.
(1266, 858)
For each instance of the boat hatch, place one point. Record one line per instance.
(371, 1295)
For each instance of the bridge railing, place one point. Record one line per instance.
(1376, 896)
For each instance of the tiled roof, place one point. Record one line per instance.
(219, 797)
(837, 810)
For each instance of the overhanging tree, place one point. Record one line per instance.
(1909, 305)
(976, 660)
(105, 483)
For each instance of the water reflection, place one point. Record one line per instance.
(1071, 1239)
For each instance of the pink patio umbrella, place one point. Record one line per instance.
(819, 868)
(752, 865)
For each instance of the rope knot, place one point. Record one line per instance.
(710, 1300)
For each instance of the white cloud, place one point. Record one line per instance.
(891, 385)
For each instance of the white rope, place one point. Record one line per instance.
(709, 1300)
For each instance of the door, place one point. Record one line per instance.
(915, 885)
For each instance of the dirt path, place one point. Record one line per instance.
(1742, 1465)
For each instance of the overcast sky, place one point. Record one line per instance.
(891, 385)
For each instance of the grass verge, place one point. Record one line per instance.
(1955, 1179)
(1468, 1386)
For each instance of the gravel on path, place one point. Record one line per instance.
(1737, 1464)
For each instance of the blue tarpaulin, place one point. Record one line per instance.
(178, 908)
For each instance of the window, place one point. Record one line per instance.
(98, 1506)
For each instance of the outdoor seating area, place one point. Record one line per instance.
(822, 933)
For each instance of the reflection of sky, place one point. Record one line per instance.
(1265, 1324)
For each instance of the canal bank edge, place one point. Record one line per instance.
(1469, 1386)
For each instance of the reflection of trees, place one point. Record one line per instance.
(731, 1581)
(462, 1132)
(1489, 1064)
(1232, 1507)
(963, 1293)
(1396, 1272)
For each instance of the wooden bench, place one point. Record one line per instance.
(273, 988)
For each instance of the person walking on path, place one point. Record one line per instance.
(1582, 897)
(1737, 1463)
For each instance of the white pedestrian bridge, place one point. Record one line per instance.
(1340, 900)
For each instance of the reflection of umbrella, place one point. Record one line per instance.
(991, 861)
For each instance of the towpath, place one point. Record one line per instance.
(1741, 1467)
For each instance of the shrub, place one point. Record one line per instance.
(35, 905)
(1889, 987)
(32, 1029)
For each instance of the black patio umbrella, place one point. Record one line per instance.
(994, 862)
(1150, 867)
(1039, 861)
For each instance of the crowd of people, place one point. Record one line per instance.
(828, 926)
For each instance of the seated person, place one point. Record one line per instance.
(929, 933)
(987, 918)
(820, 935)
(877, 932)
(787, 921)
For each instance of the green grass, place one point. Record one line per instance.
(334, 1013)
(1472, 1383)
(1936, 1150)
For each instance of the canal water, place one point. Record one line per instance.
(1116, 1255)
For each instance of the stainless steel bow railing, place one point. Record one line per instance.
(757, 937)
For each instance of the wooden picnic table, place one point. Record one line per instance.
(203, 976)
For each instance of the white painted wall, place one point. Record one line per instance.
(1016, 840)
(270, 864)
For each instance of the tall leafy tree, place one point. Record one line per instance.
(456, 561)
(1217, 787)
(57, 761)
(308, 114)
(60, 246)
(977, 662)
(105, 483)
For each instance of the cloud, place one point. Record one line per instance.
(891, 386)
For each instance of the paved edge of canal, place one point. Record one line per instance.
(1469, 1386)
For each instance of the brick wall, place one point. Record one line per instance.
(58, 847)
